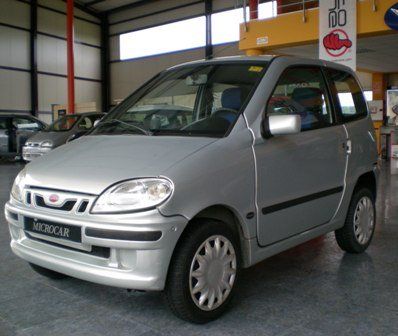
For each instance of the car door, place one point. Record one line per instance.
(300, 177)
(4, 135)
(352, 110)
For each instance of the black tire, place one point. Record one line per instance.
(48, 273)
(177, 291)
(345, 236)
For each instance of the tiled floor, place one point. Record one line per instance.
(313, 289)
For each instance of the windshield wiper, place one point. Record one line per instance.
(167, 132)
(117, 121)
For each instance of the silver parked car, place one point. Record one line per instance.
(268, 153)
(15, 129)
(65, 128)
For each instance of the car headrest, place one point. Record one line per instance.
(306, 93)
(232, 98)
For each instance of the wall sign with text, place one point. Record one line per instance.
(338, 31)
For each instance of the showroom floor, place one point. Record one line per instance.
(313, 289)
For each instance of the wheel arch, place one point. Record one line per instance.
(227, 215)
(367, 180)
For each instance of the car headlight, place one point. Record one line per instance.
(47, 144)
(133, 195)
(18, 186)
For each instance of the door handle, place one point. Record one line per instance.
(347, 146)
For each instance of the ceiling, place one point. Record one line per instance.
(375, 54)
(109, 5)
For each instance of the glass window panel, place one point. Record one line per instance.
(181, 35)
(302, 91)
(225, 25)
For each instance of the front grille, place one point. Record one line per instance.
(28, 198)
(33, 144)
(57, 201)
(67, 206)
(97, 251)
(83, 207)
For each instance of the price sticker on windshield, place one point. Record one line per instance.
(256, 69)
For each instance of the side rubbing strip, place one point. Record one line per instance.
(121, 235)
(300, 200)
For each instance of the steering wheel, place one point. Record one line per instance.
(221, 110)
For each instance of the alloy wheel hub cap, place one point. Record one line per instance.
(364, 220)
(212, 273)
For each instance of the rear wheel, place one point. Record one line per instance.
(357, 233)
(48, 273)
(203, 274)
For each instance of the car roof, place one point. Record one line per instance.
(91, 113)
(15, 115)
(266, 59)
(85, 114)
(12, 115)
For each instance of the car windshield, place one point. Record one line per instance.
(64, 123)
(201, 100)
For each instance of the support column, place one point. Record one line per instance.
(379, 87)
(209, 45)
(105, 73)
(34, 100)
(70, 56)
(253, 9)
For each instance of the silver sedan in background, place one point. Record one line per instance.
(64, 129)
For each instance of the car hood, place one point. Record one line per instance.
(93, 163)
(58, 138)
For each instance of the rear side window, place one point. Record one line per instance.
(25, 124)
(3, 123)
(349, 95)
(302, 91)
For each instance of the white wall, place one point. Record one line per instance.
(51, 56)
(52, 60)
(14, 57)
(126, 76)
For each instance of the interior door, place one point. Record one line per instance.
(4, 135)
(300, 177)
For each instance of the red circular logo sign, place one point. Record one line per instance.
(337, 43)
(53, 198)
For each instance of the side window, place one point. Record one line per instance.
(3, 123)
(25, 124)
(302, 91)
(349, 94)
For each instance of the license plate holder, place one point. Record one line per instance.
(53, 229)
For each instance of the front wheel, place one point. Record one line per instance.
(357, 232)
(203, 273)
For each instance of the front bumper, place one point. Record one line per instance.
(140, 265)
(30, 153)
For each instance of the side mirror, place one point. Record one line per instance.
(96, 122)
(282, 124)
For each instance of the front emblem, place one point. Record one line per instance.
(53, 198)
